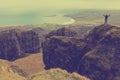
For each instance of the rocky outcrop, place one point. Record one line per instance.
(97, 34)
(96, 56)
(63, 52)
(16, 43)
(102, 62)
(62, 32)
(71, 31)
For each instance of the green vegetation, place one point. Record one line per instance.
(57, 74)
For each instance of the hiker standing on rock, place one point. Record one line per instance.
(106, 18)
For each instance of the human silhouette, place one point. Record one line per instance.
(106, 18)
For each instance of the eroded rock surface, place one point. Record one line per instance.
(96, 56)
(16, 43)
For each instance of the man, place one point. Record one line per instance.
(106, 18)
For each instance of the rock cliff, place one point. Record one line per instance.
(96, 56)
(102, 62)
(16, 43)
(29, 41)
(9, 45)
(63, 52)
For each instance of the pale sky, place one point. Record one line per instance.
(23, 5)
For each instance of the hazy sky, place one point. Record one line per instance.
(23, 5)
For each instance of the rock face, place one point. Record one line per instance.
(62, 32)
(102, 62)
(9, 47)
(29, 42)
(97, 56)
(15, 43)
(98, 33)
(63, 52)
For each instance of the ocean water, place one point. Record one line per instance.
(35, 17)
